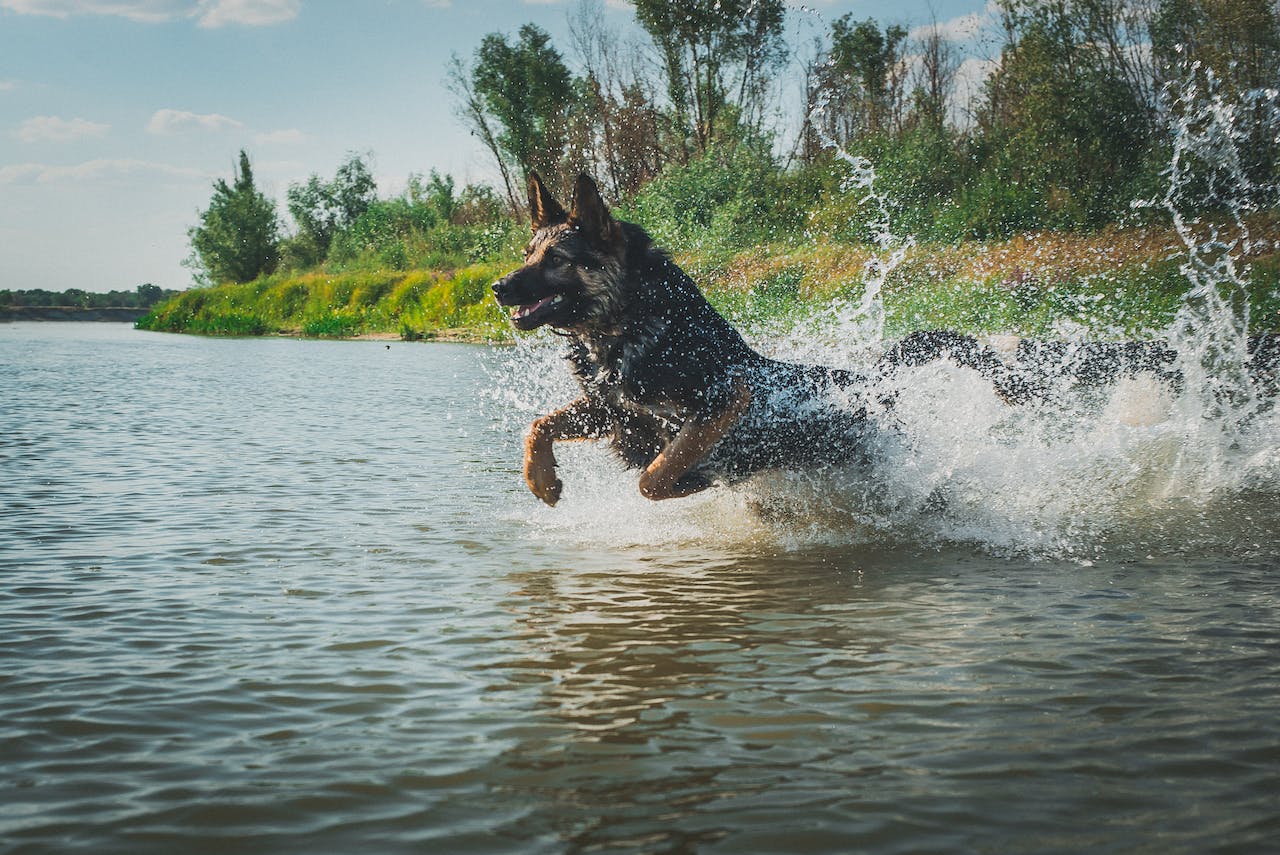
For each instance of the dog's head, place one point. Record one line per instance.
(571, 278)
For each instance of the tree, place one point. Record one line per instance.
(238, 238)
(619, 124)
(323, 208)
(1237, 44)
(149, 295)
(1062, 130)
(709, 48)
(437, 192)
(872, 60)
(470, 108)
(934, 77)
(857, 83)
(527, 87)
(1238, 39)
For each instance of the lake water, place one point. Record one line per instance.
(292, 596)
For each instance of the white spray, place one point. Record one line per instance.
(1127, 471)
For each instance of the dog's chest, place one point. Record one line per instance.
(620, 372)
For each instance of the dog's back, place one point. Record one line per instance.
(673, 353)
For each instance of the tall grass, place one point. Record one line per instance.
(413, 305)
(1111, 284)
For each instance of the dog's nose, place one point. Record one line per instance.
(498, 285)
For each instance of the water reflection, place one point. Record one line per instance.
(709, 702)
(661, 681)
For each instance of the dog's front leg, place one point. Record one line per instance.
(696, 437)
(583, 419)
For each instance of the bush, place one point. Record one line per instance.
(332, 324)
(732, 197)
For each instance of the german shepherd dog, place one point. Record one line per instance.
(665, 378)
(681, 396)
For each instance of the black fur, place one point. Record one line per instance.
(649, 350)
(657, 364)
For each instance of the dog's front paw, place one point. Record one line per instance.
(540, 475)
(548, 492)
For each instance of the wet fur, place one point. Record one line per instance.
(679, 394)
(665, 378)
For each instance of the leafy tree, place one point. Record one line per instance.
(149, 295)
(619, 125)
(1238, 39)
(323, 208)
(470, 108)
(436, 193)
(1229, 50)
(933, 79)
(237, 239)
(526, 88)
(708, 49)
(1062, 134)
(872, 60)
(859, 81)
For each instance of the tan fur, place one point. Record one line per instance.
(693, 441)
(579, 420)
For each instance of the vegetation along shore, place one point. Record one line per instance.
(1022, 197)
(1111, 283)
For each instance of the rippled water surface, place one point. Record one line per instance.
(288, 596)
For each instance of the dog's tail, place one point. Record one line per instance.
(926, 346)
(1034, 370)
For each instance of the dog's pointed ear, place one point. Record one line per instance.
(590, 214)
(544, 210)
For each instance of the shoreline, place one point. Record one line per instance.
(451, 336)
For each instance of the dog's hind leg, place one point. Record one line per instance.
(583, 419)
(668, 476)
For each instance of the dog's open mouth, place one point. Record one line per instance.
(529, 311)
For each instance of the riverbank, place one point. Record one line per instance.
(1110, 283)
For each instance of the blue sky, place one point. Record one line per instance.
(117, 115)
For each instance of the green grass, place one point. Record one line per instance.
(414, 305)
(1110, 284)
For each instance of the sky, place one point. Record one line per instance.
(116, 116)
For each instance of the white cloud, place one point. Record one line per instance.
(177, 121)
(965, 27)
(146, 11)
(437, 4)
(286, 136)
(959, 29)
(970, 76)
(55, 129)
(249, 13)
(209, 13)
(40, 173)
(7, 85)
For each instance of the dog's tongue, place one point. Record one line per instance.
(525, 311)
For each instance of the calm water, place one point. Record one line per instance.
(287, 596)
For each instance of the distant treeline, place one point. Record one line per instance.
(142, 297)
(681, 120)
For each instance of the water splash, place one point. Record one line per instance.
(1130, 470)
(859, 323)
(1209, 194)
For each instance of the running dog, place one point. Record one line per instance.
(664, 377)
(681, 396)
